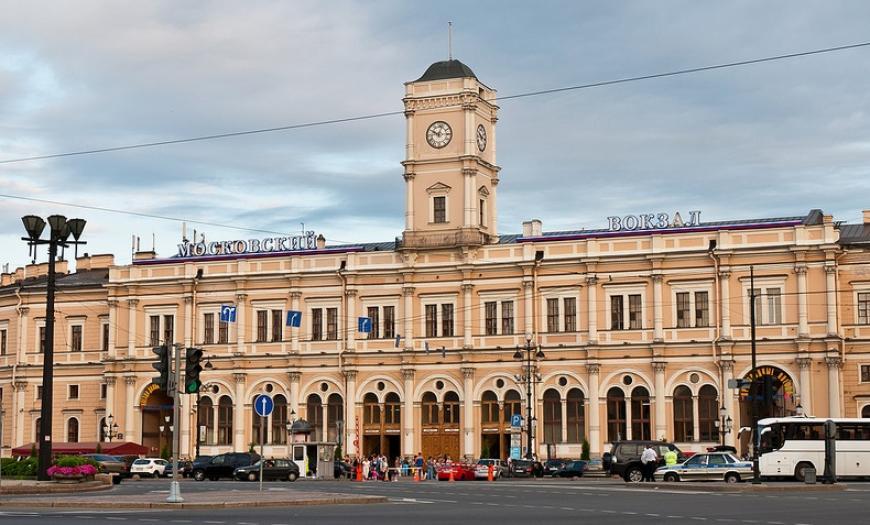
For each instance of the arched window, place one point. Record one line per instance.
(708, 413)
(576, 416)
(334, 414)
(72, 430)
(314, 413)
(429, 406)
(640, 405)
(225, 421)
(615, 414)
(101, 431)
(489, 407)
(205, 420)
(279, 420)
(392, 409)
(371, 410)
(256, 420)
(511, 404)
(451, 408)
(684, 418)
(552, 417)
(865, 412)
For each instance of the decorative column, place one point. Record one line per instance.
(834, 364)
(592, 303)
(408, 415)
(696, 423)
(409, 199)
(324, 420)
(350, 322)
(188, 321)
(468, 410)
(564, 420)
(628, 429)
(803, 325)
(110, 397)
(19, 401)
(661, 425)
(131, 334)
(725, 303)
(294, 391)
(129, 403)
(528, 308)
(831, 299)
(408, 316)
(468, 218)
(493, 210)
(352, 439)
(805, 365)
(241, 319)
(409, 134)
(592, 370)
(727, 396)
(113, 323)
(658, 312)
(239, 415)
(467, 316)
(295, 296)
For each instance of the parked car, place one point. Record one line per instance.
(198, 462)
(718, 466)
(553, 466)
(224, 465)
(461, 472)
(521, 468)
(625, 457)
(184, 467)
(273, 469)
(572, 469)
(110, 464)
(342, 469)
(154, 467)
(481, 470)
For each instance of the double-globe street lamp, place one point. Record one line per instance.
(529, 356)
(60, 230)
(725, 423)
(110, 429)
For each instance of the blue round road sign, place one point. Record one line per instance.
(263, 405)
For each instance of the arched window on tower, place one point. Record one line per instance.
(279, 420)
(429, 406)
(640, 413)
(552, 416)
(684, 418)
(314, 414)
(708, 413)
(615, 414)
(451, 408)
(576, 416)
(205, 420)
(371, 410)
(334, 414)
(489, 407)
(225, 421)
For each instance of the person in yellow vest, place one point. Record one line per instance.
(670, 456)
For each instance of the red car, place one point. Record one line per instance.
(461, 472)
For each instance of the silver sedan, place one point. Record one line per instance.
(718, 466)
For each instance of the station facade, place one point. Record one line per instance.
(643, 325)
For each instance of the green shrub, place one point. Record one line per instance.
(19, 469)
(584, 454)
(74, 461)
(164, 452)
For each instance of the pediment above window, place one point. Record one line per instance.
(439, 188)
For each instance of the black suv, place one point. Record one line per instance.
(223, 465)
(624, 457)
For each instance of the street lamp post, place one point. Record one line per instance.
(59, 231)
(110, 429)
(725, 422)
(529, 358)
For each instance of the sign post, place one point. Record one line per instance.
(263, 406)
(516, 436)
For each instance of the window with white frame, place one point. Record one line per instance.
(72, 391)
(691, 306)
(438, 315)
(104, 388)
(864, 373)
(560, 309)
(383, 319)
(626, 307)
(104, 335)
(863, 302)
(324, 319)
(40, 332)
(768, 301)
(76, 333)
(497, 314)
(161, 326)
(4, 338)
(438, 203)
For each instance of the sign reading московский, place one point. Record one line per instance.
(308, 241)
(653, 221)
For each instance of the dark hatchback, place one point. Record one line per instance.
(224, 465)
(572, 469)
(553, 466)
(273, 470)
(521, 468)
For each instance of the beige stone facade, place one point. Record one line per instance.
(641, 330)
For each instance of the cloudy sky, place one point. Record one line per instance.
(765, 140)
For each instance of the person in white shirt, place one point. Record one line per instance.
(650, 461)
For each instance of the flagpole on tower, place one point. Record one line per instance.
(449, 40)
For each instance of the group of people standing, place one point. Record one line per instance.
(377, 467)
(650, 461)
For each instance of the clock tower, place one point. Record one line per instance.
(450, 170)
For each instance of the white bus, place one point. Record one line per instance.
(791, 444)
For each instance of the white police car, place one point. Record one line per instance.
(718, 466)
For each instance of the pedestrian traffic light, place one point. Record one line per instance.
(162, 366)
(192, 370)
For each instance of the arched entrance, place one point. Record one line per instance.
(156, 407)
(496, 424)
(771, 394)
(440, 425)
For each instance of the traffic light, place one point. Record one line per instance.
(162, 366)
(192, 369)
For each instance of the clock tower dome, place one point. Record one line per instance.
(450, 170)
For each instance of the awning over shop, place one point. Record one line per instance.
(125, 448)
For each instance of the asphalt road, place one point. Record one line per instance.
(505, 502)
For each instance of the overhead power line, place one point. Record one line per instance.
(394, 113)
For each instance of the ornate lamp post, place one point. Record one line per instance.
(110, 429)
(725, 423)
(59, 231)
(530, 376)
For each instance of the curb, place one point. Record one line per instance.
(353, 500)
(740, 488)
(23, 490)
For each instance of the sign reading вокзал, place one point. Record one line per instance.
(308, 241)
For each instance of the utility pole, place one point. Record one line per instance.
(176, 382)
(753, 389)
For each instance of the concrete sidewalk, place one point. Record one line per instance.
(49, 487)
(198, 500)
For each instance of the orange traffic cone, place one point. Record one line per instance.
(489, 473)
(359, 473)
(451, 475)
(416, 474)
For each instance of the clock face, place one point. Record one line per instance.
(481, 137)
(439, 134)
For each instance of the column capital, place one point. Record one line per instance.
(467, 287)
(527, 284)
(593, 368)
(469, 172)
(112, 303)
(591, 280)
(295, 294)
(657, 278)
(24, 310)
(830, 268)
(350, 375)
(19, 386)
(407, 375)
(408, 291)
(834, 362)
(240, 297)
(468, 372)
(132, 302)
(659, 366)
(129, 381)
(409, 176)
(294, 376)
(726, 365)
(724, 274)
(350, 292)
(800, 269)
(110, 381)
(804, 363)
(188, 299)
(240, 377)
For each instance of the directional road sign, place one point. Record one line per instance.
(364, 324)
(228, 313)
(263, 405)
(294, 318)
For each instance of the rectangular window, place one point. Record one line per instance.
(3, 342)
(208, 329)
(683, 308)
(616, 316)
(223, 332)
(389, 322)
(702, 309)
(154, 330)
(75, 338)
(316, 324)
(169, 329)
(552, 315)
(103, 390)
(261, 325)
(372, 313)
(865, 373)
(635, 316)
(507, 317)
(570, 304)
(756, 294)
(447, 320)
(72, 392)
(332, 323)
(439, 209)
(491, 324)
(104, 345)
(277, 325)
(864, 308)
(431, 320)
(41, 339)
(774, 306)
(39, 392)
(482, 212)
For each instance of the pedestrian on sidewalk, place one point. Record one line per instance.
(650, 461)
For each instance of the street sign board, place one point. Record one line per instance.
(263, 405)
(516, 421)
(364, 325)
(228, 313)
(515, 453)
(294, 318)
